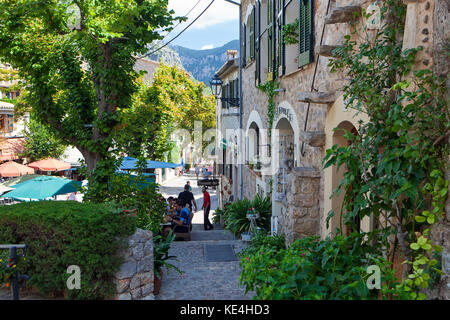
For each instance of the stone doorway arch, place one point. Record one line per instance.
(339, 119)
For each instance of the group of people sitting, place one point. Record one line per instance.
(179, 211)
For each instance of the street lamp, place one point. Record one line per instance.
(216, 88)
(216, 85)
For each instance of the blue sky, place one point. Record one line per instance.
(218, 25)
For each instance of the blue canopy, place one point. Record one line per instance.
(130, 163)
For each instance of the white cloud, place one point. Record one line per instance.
(207, 46)
(220, 11)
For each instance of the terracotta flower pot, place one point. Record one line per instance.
(157, 282)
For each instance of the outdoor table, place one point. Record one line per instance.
(167, 224)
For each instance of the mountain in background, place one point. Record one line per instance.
(166, 54)
(201, 64)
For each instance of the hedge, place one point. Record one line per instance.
(60, 234)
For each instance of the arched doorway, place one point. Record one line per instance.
(337, 175)
(253, 136)
(284, 156)
(339, 120)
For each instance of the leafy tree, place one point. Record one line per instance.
(40, 143)
(174, 100)
(7, 74)
(188, 101)
(147, 125)
(78, 80)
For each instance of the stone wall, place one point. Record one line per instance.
(134, 281)
(301, 219)
(300, 80)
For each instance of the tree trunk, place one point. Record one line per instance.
(91, 158)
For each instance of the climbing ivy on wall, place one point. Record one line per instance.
(396, 160)
(290, 32)
(269, 89)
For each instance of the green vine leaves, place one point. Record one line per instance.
(269, 89)
(394, 162)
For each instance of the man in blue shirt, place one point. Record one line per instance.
(180, 222)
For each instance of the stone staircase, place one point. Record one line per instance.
(202, 280)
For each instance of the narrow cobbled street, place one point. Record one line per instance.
(208, 262)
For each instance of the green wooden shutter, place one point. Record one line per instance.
(244, 45)
(281, 48)
(223, 96)
(258, 43)
(251, 26)
(227, 95)
(236, 84)
(270, 39)
(305, 32)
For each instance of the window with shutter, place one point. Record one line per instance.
(305, 32)
(251, 26)
(244, 45)
(270, 39)
(281, 48)
(257, 42)
(236, 88)
(223, 96)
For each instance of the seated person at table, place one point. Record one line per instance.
(180, 223)
(171, 207)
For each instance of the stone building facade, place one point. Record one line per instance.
(227, 119)
(308, 94)
(309, 103)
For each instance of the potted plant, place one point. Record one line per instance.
(161, 248)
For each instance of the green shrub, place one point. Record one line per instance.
(263, 239)
(60, 234)
(312, 269)
(137, 193)
(216, 216)
(161, 247)
(235, 215)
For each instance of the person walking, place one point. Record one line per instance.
(207, 225)
(205, 172)
(187, 198)
(197, 171)
(189, 184)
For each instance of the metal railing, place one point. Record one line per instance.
(15, 279)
